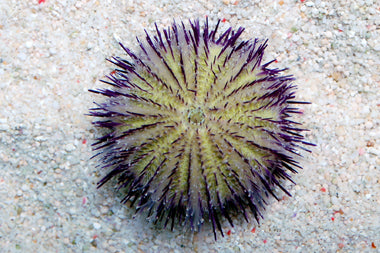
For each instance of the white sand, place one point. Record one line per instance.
(50, 55)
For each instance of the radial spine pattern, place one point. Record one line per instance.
(197, 127)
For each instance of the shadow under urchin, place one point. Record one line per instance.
(197, 127)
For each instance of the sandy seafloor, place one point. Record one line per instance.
(52, 52)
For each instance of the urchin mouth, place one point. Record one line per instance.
(196, 115)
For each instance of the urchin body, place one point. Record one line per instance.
(197, 127)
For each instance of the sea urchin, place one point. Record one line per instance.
(197, 128)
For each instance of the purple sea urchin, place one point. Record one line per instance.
(197, 127)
